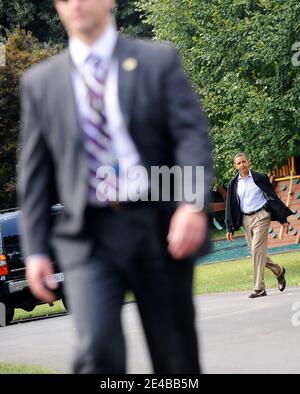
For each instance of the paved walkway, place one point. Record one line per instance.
(238, 335)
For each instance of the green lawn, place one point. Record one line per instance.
(221, 234)
(44, 310)
(8, 368)
(212, 278)
(238, 275)
(40, 310)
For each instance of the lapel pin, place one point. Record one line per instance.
(130, 64)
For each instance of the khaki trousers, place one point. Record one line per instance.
(256, 229)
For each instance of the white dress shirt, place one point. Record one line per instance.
(250, 195)
(122, 142)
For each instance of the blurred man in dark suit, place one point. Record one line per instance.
(111, 102)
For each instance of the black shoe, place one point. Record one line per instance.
(258, 293)
(281, 281)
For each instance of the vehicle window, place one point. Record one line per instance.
(10, 234)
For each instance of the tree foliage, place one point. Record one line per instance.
(238, 56)
(129, 19)
(28, 19)
(22, 50)
(41, 19)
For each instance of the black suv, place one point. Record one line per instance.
(14, 289)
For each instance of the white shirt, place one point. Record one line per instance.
(123, 144)
(250, 195)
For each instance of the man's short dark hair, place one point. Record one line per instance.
(239, 155)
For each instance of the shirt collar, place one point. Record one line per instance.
(249, 176)
(102, 48)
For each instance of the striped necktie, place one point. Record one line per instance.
(97, 139)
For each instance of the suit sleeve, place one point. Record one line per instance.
(34, 174)
(228, 214)
(187, 125)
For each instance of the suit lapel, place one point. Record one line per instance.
(68, 99)
(235, 188)
(128, 69)
(255, 177)
(71, 127)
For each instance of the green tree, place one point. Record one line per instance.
(37, 19)
(41, 19)
(22, 50)
(238, 56)
(129, 19)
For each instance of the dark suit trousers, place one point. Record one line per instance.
(129, 253)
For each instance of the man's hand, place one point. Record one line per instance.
(187, 231)
(38, 269)
(285, 228)
(229, 237)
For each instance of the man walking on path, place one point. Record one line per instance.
(104, 99)
(252, 203)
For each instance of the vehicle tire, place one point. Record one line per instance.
(9, 313)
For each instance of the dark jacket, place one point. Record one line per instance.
(234, 216)
(162, 115)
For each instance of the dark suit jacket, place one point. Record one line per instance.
(162, 114)
(233, 215)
